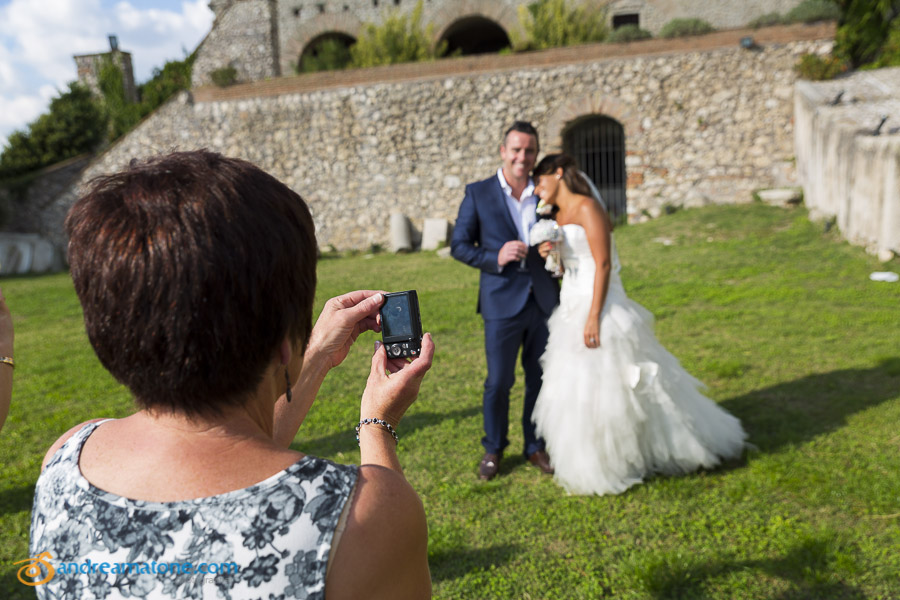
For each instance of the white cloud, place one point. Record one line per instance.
(39, 38)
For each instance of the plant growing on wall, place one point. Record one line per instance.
(224, 76)
(684, 27)
(400, 38)
(557, 23)
(122, 114)
(864, 29)
(628, 33)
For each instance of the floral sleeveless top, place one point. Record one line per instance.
(269, 541)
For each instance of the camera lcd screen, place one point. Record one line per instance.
(396, 318)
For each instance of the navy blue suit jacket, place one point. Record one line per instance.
(482, 227)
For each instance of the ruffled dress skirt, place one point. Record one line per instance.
(614, 415)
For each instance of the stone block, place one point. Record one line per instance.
(435, 234)
(401, 236)
(781, 196)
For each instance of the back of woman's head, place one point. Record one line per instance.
(191, 269)
(571, 175)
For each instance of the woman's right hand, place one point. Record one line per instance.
(393, 383)
(342, 320)
(544, 249)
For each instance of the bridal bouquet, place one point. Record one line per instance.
(546, 230)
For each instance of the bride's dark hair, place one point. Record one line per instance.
(571, 175)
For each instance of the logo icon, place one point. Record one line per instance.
(33, 570)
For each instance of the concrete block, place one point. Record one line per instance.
(401, 236)
(781, 196)
(435, 234)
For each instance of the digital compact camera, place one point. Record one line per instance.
(401, 324)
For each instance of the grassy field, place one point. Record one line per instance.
(778, 318)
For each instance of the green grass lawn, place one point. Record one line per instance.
(779, 319)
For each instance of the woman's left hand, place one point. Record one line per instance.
(592, 333)
(342, 320)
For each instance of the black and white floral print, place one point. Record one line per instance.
(278, 533)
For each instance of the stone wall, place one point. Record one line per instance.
(89, 66)
(265, 38)
(244, 36)
(847, 172)
(705, 122)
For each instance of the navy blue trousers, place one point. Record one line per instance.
(502, 340)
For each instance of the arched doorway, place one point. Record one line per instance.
(597, 143)
(475, 35)
(327, 52)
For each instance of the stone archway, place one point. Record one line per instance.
(475, 35)
(332, 47)
(590, 104)
(505, 16)
(589, 107)
(343, 24)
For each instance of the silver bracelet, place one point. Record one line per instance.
(381, 422)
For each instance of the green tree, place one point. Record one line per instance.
(864, 28)
(75, 124)
(556, 23)
(400, 38)
(166, 82)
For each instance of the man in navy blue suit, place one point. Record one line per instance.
(516, 293)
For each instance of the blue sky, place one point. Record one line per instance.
(39, 37)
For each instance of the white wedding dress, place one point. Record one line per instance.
(615, 414)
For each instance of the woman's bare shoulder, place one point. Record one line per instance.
(65, 438)
(386, 533)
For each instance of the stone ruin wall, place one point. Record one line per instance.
(265, 38)
(849, 166)
(701, 126)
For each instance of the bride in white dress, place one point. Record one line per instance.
(615, 406)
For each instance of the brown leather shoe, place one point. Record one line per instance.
(489, 466)
(541, 460)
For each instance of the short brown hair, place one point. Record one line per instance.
(191, 269)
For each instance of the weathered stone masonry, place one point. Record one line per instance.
(701, 126)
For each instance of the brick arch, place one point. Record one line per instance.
(344, 23)
(590, 104)
(505, 16)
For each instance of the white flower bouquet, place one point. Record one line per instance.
(546, 230)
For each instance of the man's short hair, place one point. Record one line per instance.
(191, 269)
(523, 127)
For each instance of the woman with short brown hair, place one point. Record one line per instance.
(196, 274)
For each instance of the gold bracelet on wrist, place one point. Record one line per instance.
(8, 360)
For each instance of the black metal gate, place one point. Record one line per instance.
(598, 145)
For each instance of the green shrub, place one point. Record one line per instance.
(224, 77)
(684, 27)
(331, 54)
(810, 11)
(557, 23)
(766, 20)
(628, 33)
(399, 39)
(864, 28)
(890, 52)
(818, 68)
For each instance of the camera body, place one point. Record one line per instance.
(401, 324)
